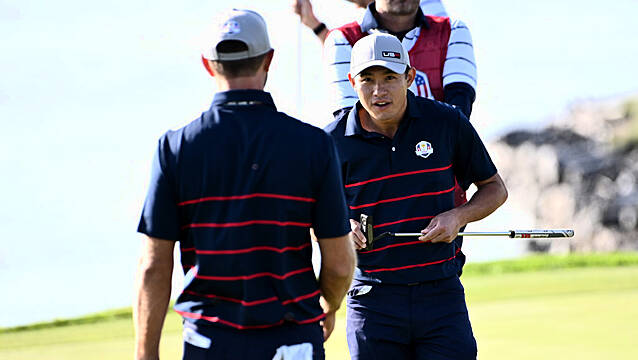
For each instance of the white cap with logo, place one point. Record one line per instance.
(246, 26)
(378, 49)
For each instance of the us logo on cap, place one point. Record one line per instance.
(391, 54)
(424, 149)
(231, 28)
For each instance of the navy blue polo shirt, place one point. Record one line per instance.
(405, 181)
(239, 188)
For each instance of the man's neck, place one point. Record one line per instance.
(386, 128)
(396, 23)
(239, 83)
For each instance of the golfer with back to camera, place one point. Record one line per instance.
(239, 188)
(399, 156)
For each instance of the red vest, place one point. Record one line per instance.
(427, 55)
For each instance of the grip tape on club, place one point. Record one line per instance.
(541, 234)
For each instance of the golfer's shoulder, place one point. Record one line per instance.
(337, 128)
(336, 48)
(337, 37)
(302, 131)
(172, 140)
(434, 109)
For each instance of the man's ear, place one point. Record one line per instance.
(268, 59)
(206, 63)
(410, 76)
(351, 78)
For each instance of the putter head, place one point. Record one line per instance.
(367, 230)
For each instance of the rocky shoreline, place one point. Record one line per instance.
(581, 172)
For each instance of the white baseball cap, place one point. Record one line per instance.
(378, 49)
(246, 26)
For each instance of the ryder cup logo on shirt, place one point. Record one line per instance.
(230, 27)
(424, 149)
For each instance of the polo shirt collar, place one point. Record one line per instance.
(412, 110)
(370, 22)
(353, 123)
(245, 96)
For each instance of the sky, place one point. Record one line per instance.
(86, 89)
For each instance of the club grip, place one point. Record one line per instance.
(541, 234)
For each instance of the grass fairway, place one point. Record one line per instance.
(563, 313)
(570, 314)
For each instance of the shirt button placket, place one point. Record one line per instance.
(393, 154)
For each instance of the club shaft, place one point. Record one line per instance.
(486, 233)
(519, 234)
(493, 233)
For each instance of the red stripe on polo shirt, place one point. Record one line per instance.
(216, 319)
(398, 175)
(415, 265)
(247, 196)
(238, 301)
(246, 223)
(392, 246)
(302, 297)
(253, 276)
(187, 249)
(402, 198)
(248, 250)
(402, 221)
(255, 302)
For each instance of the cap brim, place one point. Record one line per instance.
(211, 54)
(392, 66)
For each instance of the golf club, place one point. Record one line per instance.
(367, 227)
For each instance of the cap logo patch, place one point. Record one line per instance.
(424, 149)
(391, 54)
(230, 28)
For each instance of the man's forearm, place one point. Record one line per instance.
(153, 294)
(153, 291)
(338, 260)
(333, 289)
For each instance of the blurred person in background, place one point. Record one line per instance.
(303, 8)
(440, 50)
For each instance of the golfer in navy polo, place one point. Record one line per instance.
(240, 188)
(399, 156)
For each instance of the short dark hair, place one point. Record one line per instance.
(236, 68)
(407, 71)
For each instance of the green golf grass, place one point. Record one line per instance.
(565, 311)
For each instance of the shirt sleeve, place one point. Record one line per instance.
(160, 214)
(336, 55)
(472, 162)
(330, 218)
(461, 95)
(460, 65)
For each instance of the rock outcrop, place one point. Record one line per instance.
(580, 173)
